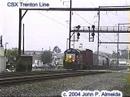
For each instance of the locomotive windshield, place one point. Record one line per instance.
(70, 58)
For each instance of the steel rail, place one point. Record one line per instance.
(11, 74)
(19, 79)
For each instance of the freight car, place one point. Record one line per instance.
(76, 59)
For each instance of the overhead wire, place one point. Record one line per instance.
(90, 23)
(83, 18)
(52, 19)
(104, 36)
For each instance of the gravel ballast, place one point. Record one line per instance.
(107, 81)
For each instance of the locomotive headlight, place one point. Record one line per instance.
(73, 60)
(70, 56)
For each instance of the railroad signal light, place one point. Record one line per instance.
(93, 34)
(78, 34)
(93, 27)
(78, 27)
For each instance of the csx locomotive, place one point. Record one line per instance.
(85, 59)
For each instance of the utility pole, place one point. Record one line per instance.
(98, 36)
(128, 55)
(5, 48)
(20, 23)
(118, 45)
(23, 38)
(70, 21)
(20, 27)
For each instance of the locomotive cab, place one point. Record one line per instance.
(71, 58)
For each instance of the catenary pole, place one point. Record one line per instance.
(23, 37)
(98, 36)
(70, 20)
(20, 22)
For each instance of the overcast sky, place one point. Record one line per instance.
(44, 29)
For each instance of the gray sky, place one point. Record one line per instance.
(44, 29)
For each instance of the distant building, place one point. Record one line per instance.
(123, 58)
(2, 60)
(36, 56)
(124, 54)
(58, 59)
(31, 52)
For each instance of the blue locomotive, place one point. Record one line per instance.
(85, 59)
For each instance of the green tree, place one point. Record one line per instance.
(11, 55)
(12, 52)
(46, 57)
(56, 49)
(114, 54)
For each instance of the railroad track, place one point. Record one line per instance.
(11, 74)
(24, 77)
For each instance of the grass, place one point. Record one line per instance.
(127, 87)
